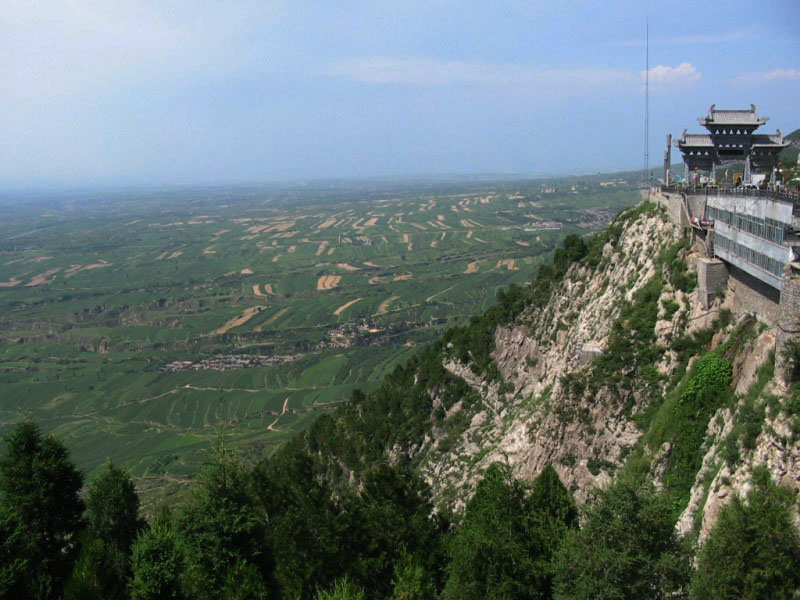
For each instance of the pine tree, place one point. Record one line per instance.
(112, 508)
(391, 514)
(412, 581)
(626, 548)
(503, 547)
(343, 589)
(555, 514)
(753, 551)
(220, 527)
(103, 567)
(41, 513)
(305, 526)
(157, 564)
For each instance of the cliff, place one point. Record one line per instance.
(609, 362)
(590, 381)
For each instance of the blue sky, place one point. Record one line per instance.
(179, 91)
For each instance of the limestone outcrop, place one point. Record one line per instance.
(547, 407)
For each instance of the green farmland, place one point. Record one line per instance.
(123, 314)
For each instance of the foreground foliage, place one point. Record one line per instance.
(504, 546)
(40, 514)
(626, 548)
(753, 551)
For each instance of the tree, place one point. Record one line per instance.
(156, 564)
(103, 566)
(627, 548)
(412, 581)
(753, 551)
(112, 508)
(343, 589)
(91, 577)
(13, 562)
(41, 512)
(306, 528)
(220, 527)
(244, 581)
(391, 515)
(555, 514)
(504, 545)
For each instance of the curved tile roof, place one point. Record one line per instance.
(720, 116)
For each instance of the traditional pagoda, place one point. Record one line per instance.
(731, 137)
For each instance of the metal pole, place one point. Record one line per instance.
(647, 103)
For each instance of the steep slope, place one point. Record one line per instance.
(789, 155)
(551, 404)
(535, 414)
(605, 361)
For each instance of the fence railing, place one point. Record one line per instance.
(713, 190)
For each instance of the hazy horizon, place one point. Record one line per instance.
(116, 94)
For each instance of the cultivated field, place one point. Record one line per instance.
(126, 318)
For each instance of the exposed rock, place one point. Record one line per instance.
(536, 423)
(533, 419)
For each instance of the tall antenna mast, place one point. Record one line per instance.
(646, 179)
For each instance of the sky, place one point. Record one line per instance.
(142, 92)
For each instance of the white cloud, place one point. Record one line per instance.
(428, 72)
(769, 77)
(664, 76)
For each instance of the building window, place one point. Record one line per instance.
(767, 229)
(762, 261)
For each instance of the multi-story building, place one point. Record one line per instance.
(750, 225)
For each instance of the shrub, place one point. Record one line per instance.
(753, 550)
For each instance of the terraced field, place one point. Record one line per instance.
(138, 325)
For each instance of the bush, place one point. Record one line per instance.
(343, 589)
(791, 355)
(503, 547)
(753, 551)
(626, 548)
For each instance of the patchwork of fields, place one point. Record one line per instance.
(326, 288)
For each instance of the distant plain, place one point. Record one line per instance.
(103, 294)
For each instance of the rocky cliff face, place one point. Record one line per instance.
(550, 406)
(776, 445)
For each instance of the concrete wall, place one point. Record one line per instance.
(712, 277)
(697, 205)
(751, 295)
(672, 203)
(779, 252)
(777, 209)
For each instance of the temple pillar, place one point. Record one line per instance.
(667, 159)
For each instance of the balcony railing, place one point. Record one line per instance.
(713, 190)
